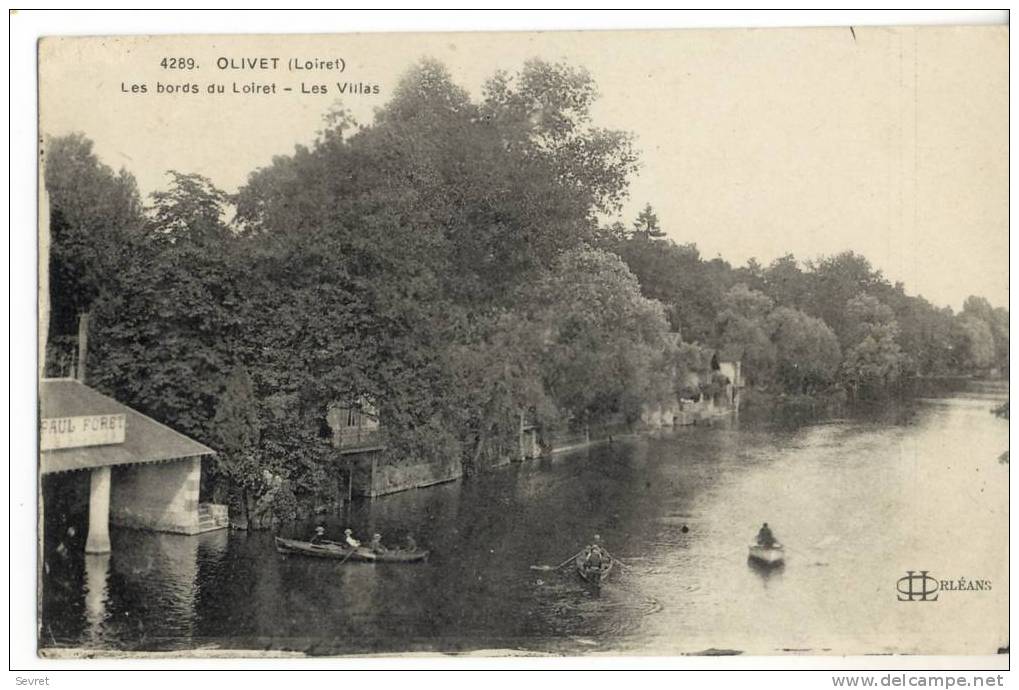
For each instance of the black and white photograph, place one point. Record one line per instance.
(683, 343)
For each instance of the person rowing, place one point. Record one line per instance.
(595, 554)
(766, 538)
(319, 537)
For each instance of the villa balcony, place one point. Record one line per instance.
(358, 439)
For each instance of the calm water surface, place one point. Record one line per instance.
(857, 500)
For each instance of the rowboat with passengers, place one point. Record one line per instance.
(344, 552)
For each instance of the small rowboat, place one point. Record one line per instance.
(595, 574)
(343, 552)
(768, 555)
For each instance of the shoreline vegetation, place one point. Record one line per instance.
(420, 295)
(1002, 412)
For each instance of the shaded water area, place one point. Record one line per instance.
(858, 500)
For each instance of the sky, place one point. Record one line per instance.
(891, 142)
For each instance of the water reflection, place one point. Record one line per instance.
(856, 500)
(766, 571)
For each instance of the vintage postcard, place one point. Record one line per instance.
(607, 343)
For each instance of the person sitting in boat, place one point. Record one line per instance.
(765, 537)
(349, 535)
(595, 554)
(411, 544)
(319, 536)
(376, 544)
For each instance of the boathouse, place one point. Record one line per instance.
(142, 473)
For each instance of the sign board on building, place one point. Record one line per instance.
(76, 432)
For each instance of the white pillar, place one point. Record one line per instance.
(99, 512)
(97, 571)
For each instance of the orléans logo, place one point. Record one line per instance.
(917, 587)
(922, 586)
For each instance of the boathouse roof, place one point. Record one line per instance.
(144, 439)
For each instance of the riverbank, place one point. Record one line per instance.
(374, 476)
(682, 592)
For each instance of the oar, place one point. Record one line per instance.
(336, 543)
(621, 564)
(549, 567)
(570, 559)
(349, 553)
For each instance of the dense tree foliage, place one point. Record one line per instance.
(742, 327)
(806, 350)
(981, 336)
(445, 263)
(594, 319)
(237, 429)
(690, 288)
(874, 359)
(95, 215)
(701, 301)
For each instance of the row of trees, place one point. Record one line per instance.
(447, 265)
(803, 326)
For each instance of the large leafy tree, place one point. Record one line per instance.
(690, 288)
(787, 283)
(497, 369)
(594, 319)
(402, 247)
(999, 328)
(95, 217)
(806, 350)
(171, 326)
(835, 281)
(190, 210)
(237, 429)
(925, 334)
(981, 334)
(743, 332)
(974, 343)
(874, 360)
(545, 111)
(499, 188)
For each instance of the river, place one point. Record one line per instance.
(858, 500)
